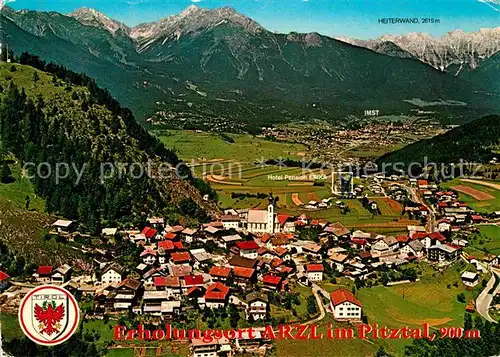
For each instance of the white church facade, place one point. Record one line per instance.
(263, 221)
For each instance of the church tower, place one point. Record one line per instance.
(270, 214)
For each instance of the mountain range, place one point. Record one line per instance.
(455, 52)
(217, 69)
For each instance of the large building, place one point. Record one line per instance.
(260, 221)
(345, 306)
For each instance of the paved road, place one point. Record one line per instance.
(321, 307)
(431, 221)
(484, 299)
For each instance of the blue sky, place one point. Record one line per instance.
(354, 18)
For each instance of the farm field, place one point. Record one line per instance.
(432, 300)
(483, 196)
(240, 182)
(246, 148)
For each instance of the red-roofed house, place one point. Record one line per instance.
(243, 275)
(4, 280)
(171, 284)
(166, 245)
(271, 282)
(216, 295)
(422, 184)
(359, 243)
(149, 232)
(402, 240)
(345, 306)
(314, 272)
(286, 222)
(220, 273)
(265, 238)
(181, 258)
(479, 219)
(43, 274)
(193, 280)
(171, 236)
(433, 239)
(248, 249)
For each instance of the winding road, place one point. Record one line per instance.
(484, 299)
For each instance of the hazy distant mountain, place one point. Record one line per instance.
(221, 65)
(454, 52)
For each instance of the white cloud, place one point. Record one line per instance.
(195, 1)
(494, 4)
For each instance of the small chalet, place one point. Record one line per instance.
(150, 233)
(230, 221)
(244, 276)
(112, 273)
(239, 261)
(189, 234)
(271, 282)
(257, 306)
(470, 279)
(61, 274)
(64, 226)
(149, 256)
(415, 248)
(125, 296)
(339, 231)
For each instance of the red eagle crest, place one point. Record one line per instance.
(49, 317)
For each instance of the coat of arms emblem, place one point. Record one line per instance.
(49, 315)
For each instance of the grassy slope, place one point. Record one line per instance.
(413, 304)
(22, 229)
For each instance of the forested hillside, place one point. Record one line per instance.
(60, 118)
(477, 141)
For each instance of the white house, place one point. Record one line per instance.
(148, 256)
(231, 221)
(415, 247)
(248, 249)
(257, 307)
(201, 348)
(470, 279)
(345, 306)
(61, 274)
(112, 273)
(314, 272)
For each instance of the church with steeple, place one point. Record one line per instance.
(263, 221)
